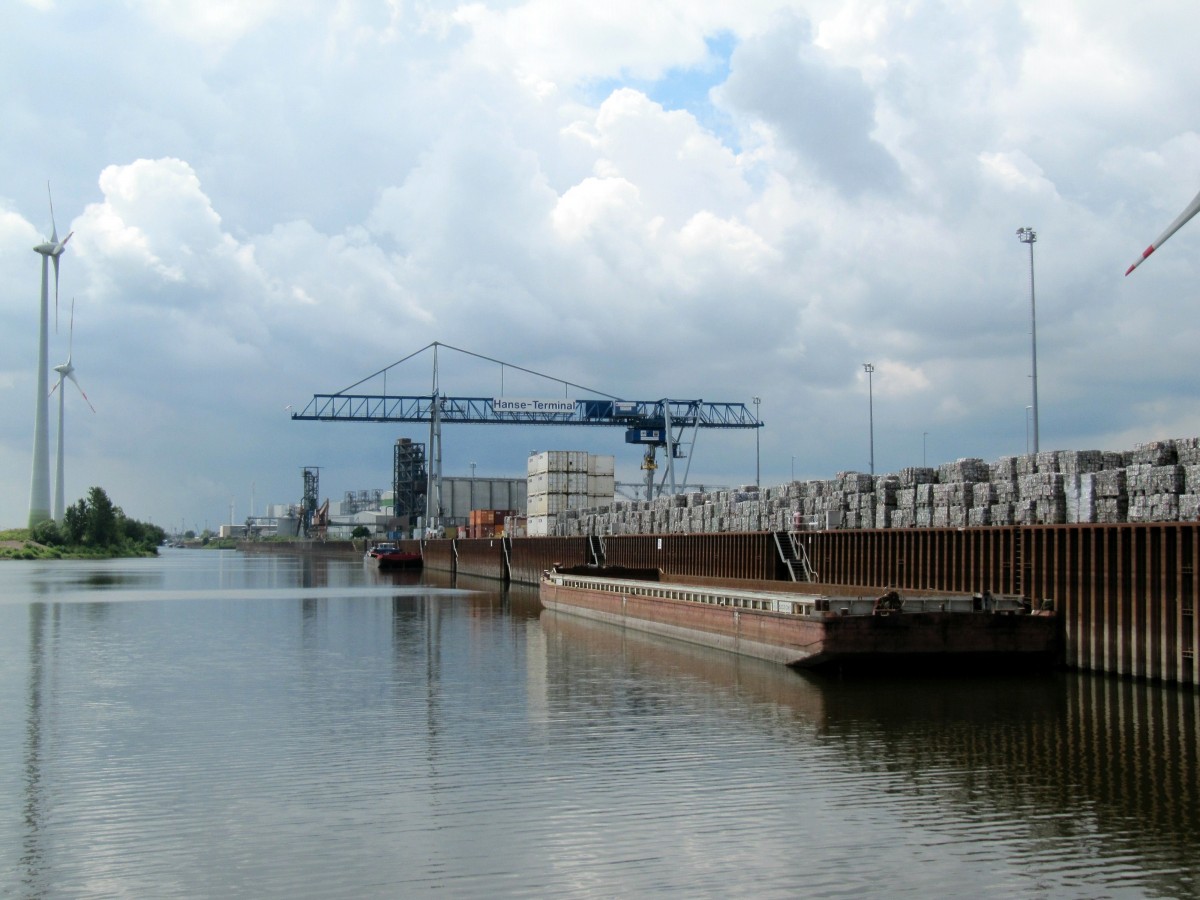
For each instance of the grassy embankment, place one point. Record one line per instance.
(16, 543)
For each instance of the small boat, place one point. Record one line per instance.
(812, 630)
(390, 556)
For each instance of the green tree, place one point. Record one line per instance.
(141, 534)
(46, 533)
(360, 531)
(102, 529)
(75, 522)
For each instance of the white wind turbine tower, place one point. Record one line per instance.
(39, 491)
(65, 371)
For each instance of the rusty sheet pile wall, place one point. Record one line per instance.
(750, 556)
(1127, 594)
(483, 557)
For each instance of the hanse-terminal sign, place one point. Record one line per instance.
(542, 407)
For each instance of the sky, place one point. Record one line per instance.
(687, 199)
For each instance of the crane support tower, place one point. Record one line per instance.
(310, 499)
(409, 480)
(652, 423)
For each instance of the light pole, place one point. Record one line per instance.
(1027, 409)
(869, 368)
(793, 468)
(757, 426)
(471, 501)
(924, 441)
(1028, 236)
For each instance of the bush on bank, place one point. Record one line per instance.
(92, 528)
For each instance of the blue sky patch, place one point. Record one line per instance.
(684, 88)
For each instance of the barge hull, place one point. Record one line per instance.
(909, 640)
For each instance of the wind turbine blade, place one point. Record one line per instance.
(53, 226)
(71, 375)
(1191, 210)
(55, 258)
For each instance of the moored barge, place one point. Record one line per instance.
(812, 630)
(390, 556)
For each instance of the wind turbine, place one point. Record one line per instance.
(39, 491)
(1180, 221)
(65, 371)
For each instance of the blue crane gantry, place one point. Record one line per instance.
(653, 423)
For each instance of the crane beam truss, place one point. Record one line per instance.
(491, 411)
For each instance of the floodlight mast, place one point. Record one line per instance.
(1028, 236)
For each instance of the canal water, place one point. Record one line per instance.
(209, 724)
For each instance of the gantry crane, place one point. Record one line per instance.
(651, 423)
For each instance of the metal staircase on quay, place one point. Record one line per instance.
(794, 556)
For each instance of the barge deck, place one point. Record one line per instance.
(812, 630)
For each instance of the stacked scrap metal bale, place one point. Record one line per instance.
(1157, 481)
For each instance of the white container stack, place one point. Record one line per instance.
(563, 481)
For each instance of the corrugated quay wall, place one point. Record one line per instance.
(734, 555)
(1126, 594)
(483, 557)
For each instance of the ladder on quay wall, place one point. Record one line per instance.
(794, 556)
(506, 546)
(596, 549)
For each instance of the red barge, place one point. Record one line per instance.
(390, 556)
(812, 630)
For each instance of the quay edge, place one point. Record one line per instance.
(1126, 594)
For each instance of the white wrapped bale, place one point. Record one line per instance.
(1081, 497)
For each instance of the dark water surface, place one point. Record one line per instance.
(213, 725)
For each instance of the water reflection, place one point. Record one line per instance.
(338, 729)
(31, 862)
(1047, 765)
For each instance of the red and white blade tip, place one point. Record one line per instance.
(1145, 253)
